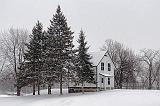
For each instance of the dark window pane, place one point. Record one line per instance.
(102, 80)
(109, 81)
(102, 66)
(109, 67)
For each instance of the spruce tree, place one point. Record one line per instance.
(62, 45)
(33, 56)
(49, 60)
(85, 72)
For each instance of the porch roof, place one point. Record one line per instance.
(105, 75)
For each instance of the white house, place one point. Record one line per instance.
(104, 73)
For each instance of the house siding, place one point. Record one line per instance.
(106, 59)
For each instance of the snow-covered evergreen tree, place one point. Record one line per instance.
(33, 56)
(85, 72)
(60, 45)
(49, 74)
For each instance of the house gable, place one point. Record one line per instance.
(97, 57)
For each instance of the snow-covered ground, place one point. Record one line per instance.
(104, 98)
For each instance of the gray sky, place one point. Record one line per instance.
(135, 23)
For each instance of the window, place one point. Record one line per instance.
(109, 67)
(102, 66)
(102, 80)
(109, 82)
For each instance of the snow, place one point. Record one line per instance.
(54, 92)
(106, 75)
(5, 96)
(96, 57)
(103, 98)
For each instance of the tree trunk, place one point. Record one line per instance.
(15, 62)
(38, 89)
(18, 91)
(121, 79)
(158, 85)
(82, 87)
(49, 88)
(158, 81)
(150, 77)
(127, 86)
(34, 90)
(61, 84)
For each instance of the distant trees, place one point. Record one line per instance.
(157, 72)
(151, 63)
(13, 46)
(134, 70)
(12, 50)
(85, 71)
(125, 62)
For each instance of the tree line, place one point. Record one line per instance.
(49, 56)
(135, 71)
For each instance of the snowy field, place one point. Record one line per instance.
(103, 98)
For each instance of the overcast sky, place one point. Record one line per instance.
(136, 23)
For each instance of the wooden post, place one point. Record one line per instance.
(96, 80)
(104, 82)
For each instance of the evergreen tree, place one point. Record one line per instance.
(48, 73)
(49, 60)
(85, 72)
(33, 56)
(61, 45)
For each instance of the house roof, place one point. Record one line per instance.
(96, 57)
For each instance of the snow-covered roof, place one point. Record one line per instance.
(96, 57)
(106, 75)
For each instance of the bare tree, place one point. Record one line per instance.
(13, 47)
(156, 72)
(157, 75)
(124, 60)
(149, 57)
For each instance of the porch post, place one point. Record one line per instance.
(104, 83)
